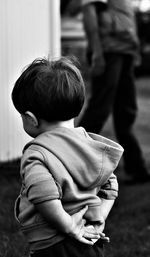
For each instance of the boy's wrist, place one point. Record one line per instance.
(100, 221)
(71, 230)
(69, 227)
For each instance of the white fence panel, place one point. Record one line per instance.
(26, 33)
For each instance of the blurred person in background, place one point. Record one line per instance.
(63, 5)
(112, 51)
(70, 7)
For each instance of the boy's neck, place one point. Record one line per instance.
(67, 124)
(50, 126)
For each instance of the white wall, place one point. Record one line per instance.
(26, 32)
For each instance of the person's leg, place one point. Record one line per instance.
(103, 90)
(124, 113)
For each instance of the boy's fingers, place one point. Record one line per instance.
(105, 239)
(102, 234)
(85, 241)
(84, 221)
(91, 235)
(91, 230)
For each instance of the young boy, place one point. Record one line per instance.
(68, 185)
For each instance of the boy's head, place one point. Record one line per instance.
(51, 90)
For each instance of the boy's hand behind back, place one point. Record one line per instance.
(99, 227)
(80, 231)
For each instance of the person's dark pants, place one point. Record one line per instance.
(71, 248)
(114, 91)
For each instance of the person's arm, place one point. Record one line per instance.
(109, 189)
(53, 212)
(105, 208)
(107, 194)
(91, 26)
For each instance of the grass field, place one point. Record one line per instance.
(129, 222)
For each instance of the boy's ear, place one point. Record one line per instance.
(32, 118)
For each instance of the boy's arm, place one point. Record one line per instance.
(107, 194)
(109, 190)
(105, 208)
(53, 212)
(99, 226)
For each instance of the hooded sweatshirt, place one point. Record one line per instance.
(67, 164)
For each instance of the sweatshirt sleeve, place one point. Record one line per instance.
(109, 190)
(37, 179)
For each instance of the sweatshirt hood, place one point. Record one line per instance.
(88, 157)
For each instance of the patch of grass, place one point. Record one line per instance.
(129, 223)
(12, 242)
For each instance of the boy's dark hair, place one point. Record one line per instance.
(51, 90)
